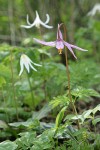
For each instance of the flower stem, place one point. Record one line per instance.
(13, 87)
(7, 117)
(42, 59)
(29, 82)
(68, 76)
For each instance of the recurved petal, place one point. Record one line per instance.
(37, 64)
(45, 25)
(74, 46)
(26, 63)
(20, 72)
(59, 34)
(28, 59)
(37, 15)
(27, 18)
(70, 49)
(28, 26)
(21, 66)
(53, 44)
(59, 44)
(32, 67)
(48, 19)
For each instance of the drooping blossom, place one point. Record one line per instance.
(60, 43)
(37, 22)
(26, 62)
(94, 10)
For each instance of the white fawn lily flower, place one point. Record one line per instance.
(94, 10)
(27, 62)
(37, 22)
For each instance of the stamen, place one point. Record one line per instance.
(60, 51)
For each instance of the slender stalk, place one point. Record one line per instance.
(29, 82)
(94, 125)
(12, 30)
(42, 58)
(68, 76)
(11, 22)
(40, 32)
(7, 117)
(13, 87)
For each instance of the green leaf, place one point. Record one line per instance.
(29, 123)
(8, 145)
(43, 51)
(2, 81)
(3, 125)
(5, 71)
(60, 116)
(97, 108)
(44, 141)
(69, 117)
(42, 113)
(86, 114)
(81, 92)
(26, 140)
(61, 100)
(95, 121)
(82, 117)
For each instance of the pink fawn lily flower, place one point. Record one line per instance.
(27, 62)
(37, 22)
(60, 43)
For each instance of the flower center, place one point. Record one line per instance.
(37, 25)
(60, 51)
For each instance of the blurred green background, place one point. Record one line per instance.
(82, 29)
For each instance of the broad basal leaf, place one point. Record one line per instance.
(8, 145)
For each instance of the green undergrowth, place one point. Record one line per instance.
(45, 117)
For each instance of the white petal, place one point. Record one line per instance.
(27, 66)
(20, 72)
(28, 20)
(37, 22)
(21, 65)
(94, 10)
(26, 62)
(37, 64)
(29, 24)
(46, 26)
(29, 60)
(48, 19)
(37, 15)
(32, 67)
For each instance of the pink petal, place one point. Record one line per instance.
(69, 47)
(59, 44)
(74, 46)
(46, 43)
(59, 34)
